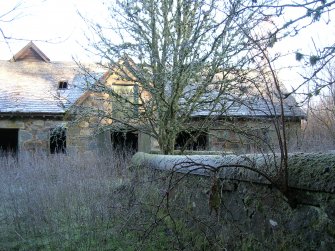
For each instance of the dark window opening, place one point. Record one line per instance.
(58, 140)
(8, 141)
(191, 141)
(125, 141)
(62, 85)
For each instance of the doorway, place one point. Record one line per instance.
(125, 141)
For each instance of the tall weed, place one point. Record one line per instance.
(61, 202)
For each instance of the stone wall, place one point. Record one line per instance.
(246, 136)
(82, 138)
(242, 136)
(89, 131)
(248, 212)
(33, 134)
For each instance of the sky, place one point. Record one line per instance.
(58, 22)
(58, 30)
(53, 25)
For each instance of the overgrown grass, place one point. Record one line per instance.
(64, 202)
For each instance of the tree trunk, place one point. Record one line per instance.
(166, 141)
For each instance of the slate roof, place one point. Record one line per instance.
(245, 101)
(32, 87)
(29, 85)
(251, 108)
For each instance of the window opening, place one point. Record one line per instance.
(8, 141)
(62, 85)
(58, 140)
(193, 140)
(125, 141)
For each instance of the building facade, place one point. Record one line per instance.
(37, 97)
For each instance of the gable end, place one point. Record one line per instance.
(30, 53)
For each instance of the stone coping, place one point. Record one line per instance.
(308, 171)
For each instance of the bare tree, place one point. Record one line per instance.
(200, 57)
(14, 11)
(173, 51)
(185, 60)
(319, 129)
(9, 16)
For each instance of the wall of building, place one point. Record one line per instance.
(83, 139)
(90, 133)
(251, 136)
(243, 136)
(33, 134)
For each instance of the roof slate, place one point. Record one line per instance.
(32, 87)
(245, 101)
(251, 108)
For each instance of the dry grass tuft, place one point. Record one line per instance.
(59, 201)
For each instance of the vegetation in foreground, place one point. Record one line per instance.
(84, 203)
(64, 203)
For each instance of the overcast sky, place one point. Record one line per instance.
(58, 22)
(55, 21)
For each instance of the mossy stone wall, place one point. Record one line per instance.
(252, 213)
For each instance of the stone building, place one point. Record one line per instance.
(37, 96)
(247, 125)
(250, 127)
